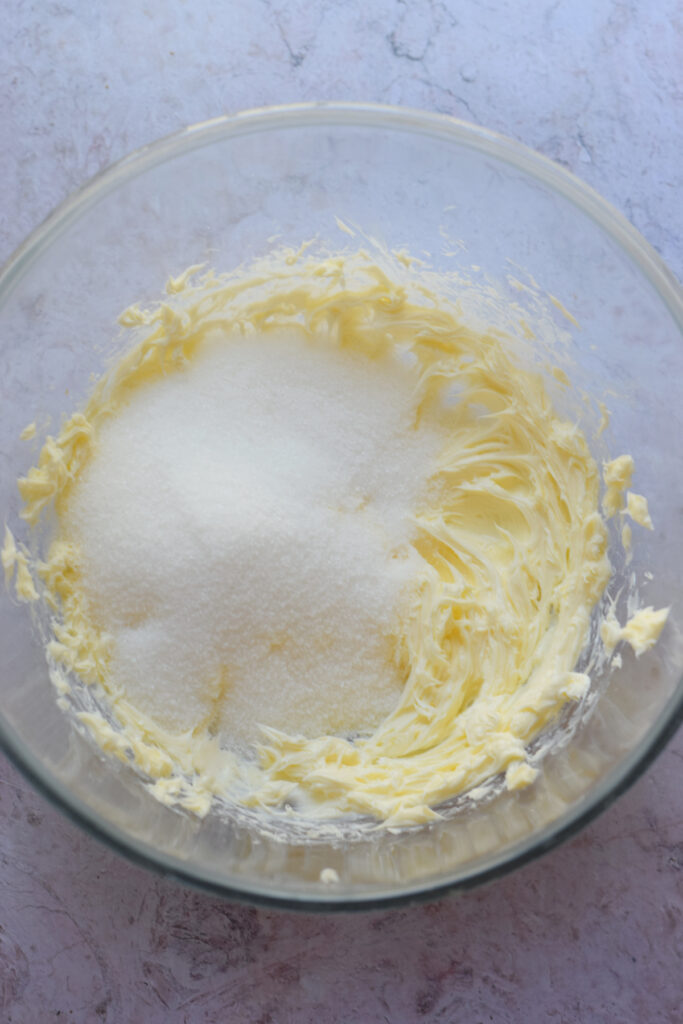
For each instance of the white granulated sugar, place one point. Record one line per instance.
(245, 527)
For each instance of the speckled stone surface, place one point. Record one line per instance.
(593, 932)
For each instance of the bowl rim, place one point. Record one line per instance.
(410, 121)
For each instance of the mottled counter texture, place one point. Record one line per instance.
(591, 933)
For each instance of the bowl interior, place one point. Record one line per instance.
(461, 198)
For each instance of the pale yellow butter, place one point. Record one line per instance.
(511, 541)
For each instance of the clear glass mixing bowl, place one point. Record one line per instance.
(218, 193)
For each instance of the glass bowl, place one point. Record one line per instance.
(218, 193)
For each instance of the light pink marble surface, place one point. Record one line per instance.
(593, 932)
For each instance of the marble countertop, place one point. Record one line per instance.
(594, 931)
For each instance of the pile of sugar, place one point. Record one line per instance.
(244, 524)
